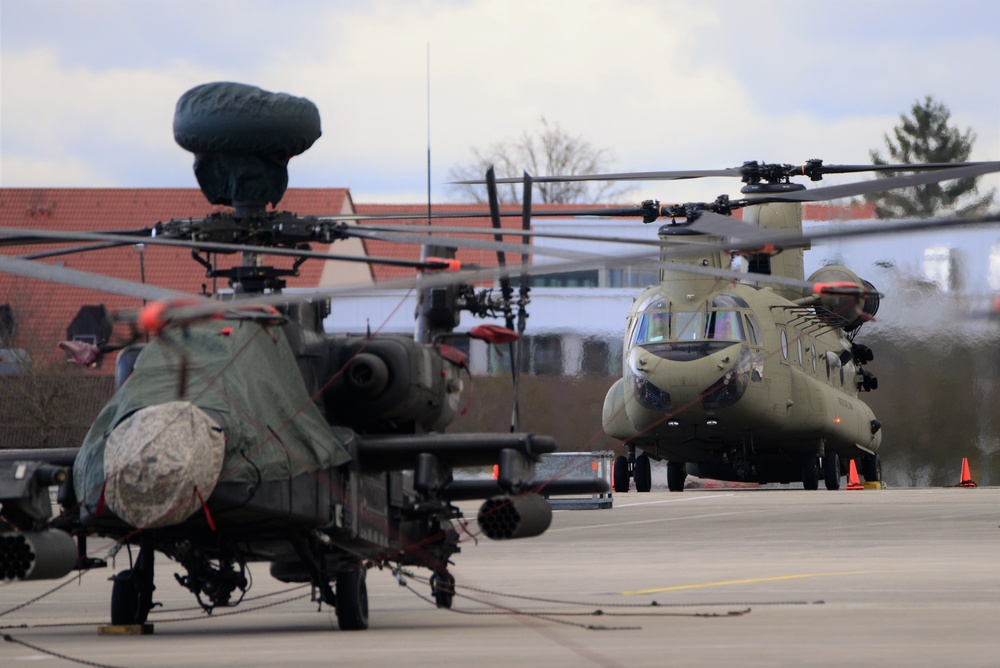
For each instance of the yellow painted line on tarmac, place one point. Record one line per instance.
(777, 578)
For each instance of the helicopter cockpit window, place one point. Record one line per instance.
(653, 327)
(754, 330)
(720, 325)
(726, 300)
(725, 326)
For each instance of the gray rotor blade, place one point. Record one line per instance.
(881, 185)
(478, 244)
(83, 279)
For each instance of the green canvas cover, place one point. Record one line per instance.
(242, 373)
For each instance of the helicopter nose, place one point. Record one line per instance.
(729, 388)
(160, 464)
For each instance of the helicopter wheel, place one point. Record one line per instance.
(643, 474)
(443, 589)
(872, 468)
(132, 591)
(620, 474)
(128, 604)
(352, 600)
(831, 470)
(676, 473)
(810, 473)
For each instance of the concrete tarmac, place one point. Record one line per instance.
(776, 577)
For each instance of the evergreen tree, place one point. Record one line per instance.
(926, 136)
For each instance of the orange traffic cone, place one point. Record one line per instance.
(852, 478)
(966, 476)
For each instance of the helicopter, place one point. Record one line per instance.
(240, 431)
(749, 376)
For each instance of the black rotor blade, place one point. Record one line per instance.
(899, 167)
(621, 176)
(505, 289)
(525, 239)
(76, 249)
(52, 236)
(35, 238)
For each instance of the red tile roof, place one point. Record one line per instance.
(45, 309)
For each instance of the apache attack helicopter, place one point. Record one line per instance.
(749, 376)
(241, 432)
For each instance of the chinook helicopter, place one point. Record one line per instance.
(749, 376)
(241, 432)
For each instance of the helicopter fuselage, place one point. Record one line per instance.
(736, 381)
(744, 385)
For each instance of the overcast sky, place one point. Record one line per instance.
(88, 87)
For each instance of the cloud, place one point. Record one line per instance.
(665, 85)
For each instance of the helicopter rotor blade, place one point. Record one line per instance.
(494, 200)
(208, 309)
(402, 236)
(749, 172)
(84, 279)
(58, 236)
(718, 225)
(621, 176)
(881, 185)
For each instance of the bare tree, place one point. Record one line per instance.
(548, 151)
(45, 401)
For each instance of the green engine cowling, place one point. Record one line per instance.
(390, 384)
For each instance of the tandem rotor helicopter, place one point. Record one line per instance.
(751, 376)
(242, 432)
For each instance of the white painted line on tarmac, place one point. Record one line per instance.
(686, 498)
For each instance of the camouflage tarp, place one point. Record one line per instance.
(247, 380)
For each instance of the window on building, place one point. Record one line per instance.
(632, 277)
(8, 327)
(546, 355)
(540, 356)
(599, 358)
(91, 324)
(569, 279)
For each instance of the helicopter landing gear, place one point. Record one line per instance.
(443, 588)
(643, 474)
(132, 592)
(352, 599)
(810, 473)
(831, 470)
(620, 474)
(676, 474)
(871, 467)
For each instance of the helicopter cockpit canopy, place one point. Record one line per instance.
(693, 334)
